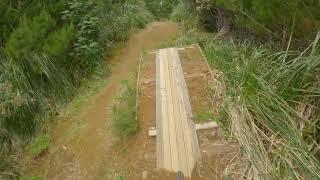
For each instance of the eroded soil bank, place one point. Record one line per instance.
(82, 145)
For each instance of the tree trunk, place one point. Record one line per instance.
(223, 22)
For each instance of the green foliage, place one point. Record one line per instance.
(12, 11)
(38, 145)
(204, 116)
(59, 41)
(32, 178)
(84, 15)
(29, 35)
(97, 31)
(8, 16)
(161, 8)
(276, 16)
(116, 25)
(124, 120)
(47, 49)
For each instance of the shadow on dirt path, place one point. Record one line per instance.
(82, 145)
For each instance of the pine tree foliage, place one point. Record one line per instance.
(58, 42)
(29, 35)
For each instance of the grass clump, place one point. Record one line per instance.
(32, 178)
(120, 178)
(38, 145)
(271, 101)
(124, 120)
(204, 116)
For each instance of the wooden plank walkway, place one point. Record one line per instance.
(177, 143)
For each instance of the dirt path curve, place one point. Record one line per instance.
(82, 145)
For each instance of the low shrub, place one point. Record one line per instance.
(124, 120)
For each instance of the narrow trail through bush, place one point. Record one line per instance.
(82, 143)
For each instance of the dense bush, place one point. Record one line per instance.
(161, 8)
(115, 25)
(11, 12)
(86, 50)
(277, 18)
(58, 42)
(47, 48)
(29, 35)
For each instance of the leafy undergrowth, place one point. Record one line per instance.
(124, 122)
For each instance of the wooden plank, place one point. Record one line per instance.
(164, 120)
(187, 105)
(185, 115)
(178, 118)
(175, 137)
(209, 125)
(159, 140)
(170, 109)
(152, 132)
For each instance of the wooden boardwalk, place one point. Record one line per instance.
(177, 143)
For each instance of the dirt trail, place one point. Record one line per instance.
(82, 145)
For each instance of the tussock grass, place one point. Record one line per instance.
(272, 107)
(25, 88)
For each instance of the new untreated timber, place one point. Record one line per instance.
(177, 143)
